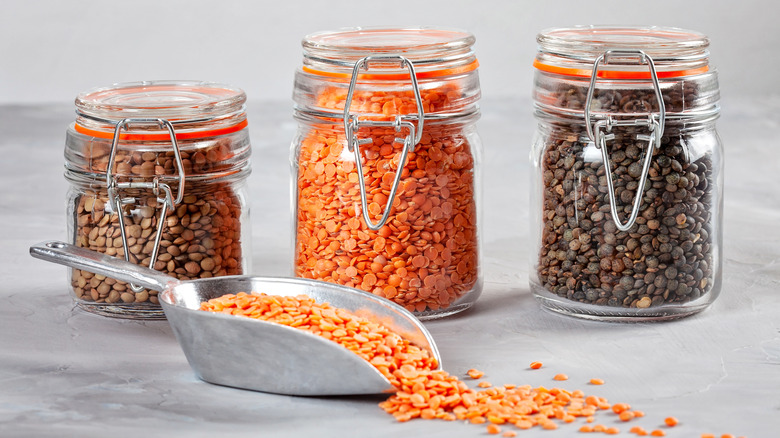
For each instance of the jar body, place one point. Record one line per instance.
(667, 265)
(386, 166)
(201, 230)
(661, 257)
(426, 256)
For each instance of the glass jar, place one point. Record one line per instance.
(173, 197)
(404, 223)
(642, 103)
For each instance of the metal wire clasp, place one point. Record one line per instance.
(167, 200)
(654, 122)
(352, 125)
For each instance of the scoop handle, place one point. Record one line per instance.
(98, 263)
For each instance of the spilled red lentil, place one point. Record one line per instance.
(422, 391)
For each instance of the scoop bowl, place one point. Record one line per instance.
(247, 353)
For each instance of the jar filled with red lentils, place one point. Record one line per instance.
(628, 197)
(157, 174)
(385, 165)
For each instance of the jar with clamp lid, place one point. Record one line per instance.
(385, 165)
(627, 204)
(157, 174)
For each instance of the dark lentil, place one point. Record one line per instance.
(666, 255)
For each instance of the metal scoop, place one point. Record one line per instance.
(248, 353)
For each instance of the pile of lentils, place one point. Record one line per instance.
(201, 236)
(667, 255)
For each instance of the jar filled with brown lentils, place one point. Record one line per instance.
(157, 173)
(386, 165)
(627, 204)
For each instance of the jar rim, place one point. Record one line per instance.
(173, 100)
(373, 39)
(573, 51)
(663, 42)
(428, 48)
(380, 61)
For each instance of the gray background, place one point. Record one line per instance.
(51, 50)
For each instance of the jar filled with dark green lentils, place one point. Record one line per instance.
(627, 199)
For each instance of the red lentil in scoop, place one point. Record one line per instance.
(422, 391)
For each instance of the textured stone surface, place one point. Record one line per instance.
(67, 373)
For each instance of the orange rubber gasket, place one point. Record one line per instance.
(162, 137)
(399, 76)
(612, 74)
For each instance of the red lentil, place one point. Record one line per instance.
(393, 356)
(475, 374)
(619, 408)
(535, 365)
(425, 257)
(493, 429)
(548, 425)
(422, 391)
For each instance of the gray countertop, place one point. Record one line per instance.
(64, 372)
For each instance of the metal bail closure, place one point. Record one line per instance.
(655, 124)
(167, 200)
(352, 125)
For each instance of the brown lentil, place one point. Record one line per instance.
(201, 238)
(203, 233)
